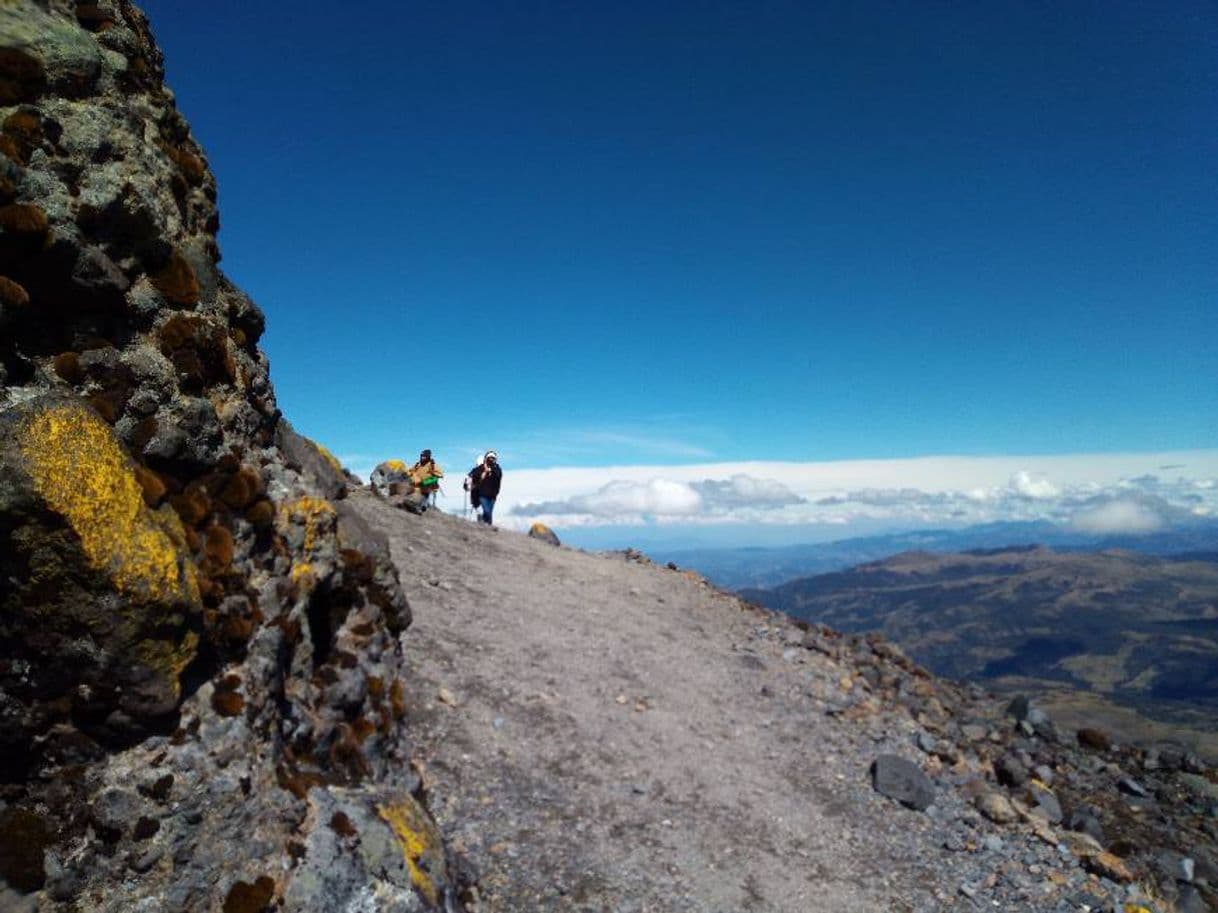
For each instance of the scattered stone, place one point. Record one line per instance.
(902, 781)
(1010, 771)
(996, 807)
(1042, 801)
(1199, 785)
(1085, 821)
(973, 732)
(1095, 739)
(1132, 787)
(1106, 865)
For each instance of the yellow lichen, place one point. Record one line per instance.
(316, 514)
(303, 578)
(79, 468)
(419, 841)
(329, 457)
(395, 465)
(170, 658)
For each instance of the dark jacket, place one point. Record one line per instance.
(485, 480)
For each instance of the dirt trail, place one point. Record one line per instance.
(602, 734)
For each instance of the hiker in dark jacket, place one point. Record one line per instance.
(486, 484)
(471, 483)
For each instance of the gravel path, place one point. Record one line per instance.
(599, 733)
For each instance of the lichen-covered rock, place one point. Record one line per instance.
(544, 533)
(388, 474)
(199, 646)
(103, 596)
(314, 460)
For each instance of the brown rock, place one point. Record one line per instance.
(22, 76)
(1106, 865)
(23, 131)
(242, 488)
(1095, 739)
(12, 294)
(23, 219)
(996, 807)
(177, 281)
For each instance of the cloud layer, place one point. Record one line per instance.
(1100, 493)
(630, 501)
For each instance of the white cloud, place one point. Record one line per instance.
(1118, 515)
(624, 500)
(872, 494)
(744, 491)
(1029, 485)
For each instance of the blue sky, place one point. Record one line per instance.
(666, 234)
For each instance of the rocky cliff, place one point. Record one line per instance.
(201, 680)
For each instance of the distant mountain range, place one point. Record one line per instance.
(735, 568)
(1139, 629)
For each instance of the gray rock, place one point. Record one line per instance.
(1132, 787)
(1044, 803)
(1086, 821)
(902, 781)
(1190, 900)
(1010, 771)
(116, 810)
(318, 465)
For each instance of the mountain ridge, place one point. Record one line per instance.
(1138, 629)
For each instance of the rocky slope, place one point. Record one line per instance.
(201, 682)
(1140, 630)
(602, 733)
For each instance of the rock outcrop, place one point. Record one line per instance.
(201, 682)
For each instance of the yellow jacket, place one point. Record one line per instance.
(420, 473)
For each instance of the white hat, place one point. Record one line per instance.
(491, 455)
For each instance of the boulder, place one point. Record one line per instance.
(389, 473)
(902, 781)
(1095, 739)
(544, 533)
(317, 463)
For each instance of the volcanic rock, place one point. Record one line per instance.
(903, 781)
(544, 533)
(199, 654)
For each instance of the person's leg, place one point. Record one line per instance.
(488, 508)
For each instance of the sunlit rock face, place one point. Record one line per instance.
(201, 682)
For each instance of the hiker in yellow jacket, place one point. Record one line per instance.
(426, 474)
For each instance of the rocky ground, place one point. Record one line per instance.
(598, 733)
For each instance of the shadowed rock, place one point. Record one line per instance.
(199, 651)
